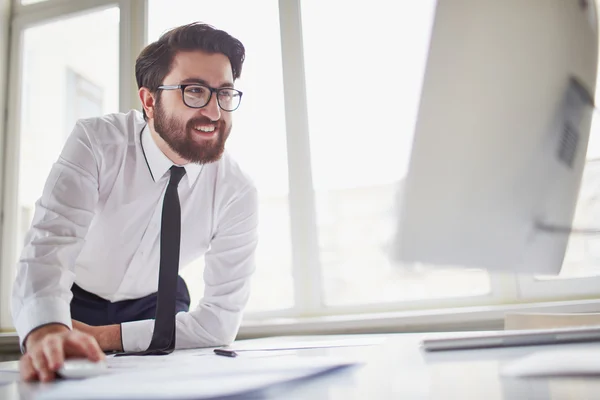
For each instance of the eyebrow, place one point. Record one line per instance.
(203, 82)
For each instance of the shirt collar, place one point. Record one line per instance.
(159, 164)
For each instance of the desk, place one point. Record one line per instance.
(399, 369)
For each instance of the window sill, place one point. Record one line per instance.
(450, 319)
(9, 343)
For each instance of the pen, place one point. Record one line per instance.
(226, 353)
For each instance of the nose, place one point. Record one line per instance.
(212, 110)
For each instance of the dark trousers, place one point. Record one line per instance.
(93, 310)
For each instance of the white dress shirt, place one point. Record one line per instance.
(97, 224)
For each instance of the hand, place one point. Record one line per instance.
(49, 346)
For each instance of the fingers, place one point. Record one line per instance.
(26, 369)
(54, 351)
(40, 364)
(81, 344)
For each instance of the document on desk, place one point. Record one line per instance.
(179, 357)
(205, 378)
(563, 362)
(295, 343)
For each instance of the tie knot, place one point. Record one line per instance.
(176, 174)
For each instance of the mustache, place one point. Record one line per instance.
(202, 121)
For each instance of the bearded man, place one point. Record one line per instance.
(132, 198)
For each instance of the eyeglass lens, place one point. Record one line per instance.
(198, 96)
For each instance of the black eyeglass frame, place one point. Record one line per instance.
(211, 89)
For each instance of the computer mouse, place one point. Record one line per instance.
(79, 368)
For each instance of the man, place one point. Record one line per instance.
(131, 192)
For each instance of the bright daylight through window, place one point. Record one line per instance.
(363, 83)
(80, 87)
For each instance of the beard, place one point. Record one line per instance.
(180, 137)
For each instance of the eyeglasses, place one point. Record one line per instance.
(197, 96)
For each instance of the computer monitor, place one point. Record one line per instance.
(501, 135)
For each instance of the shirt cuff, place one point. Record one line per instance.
(42, 311)
(136, 335)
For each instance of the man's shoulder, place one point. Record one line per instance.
(232, 184)
(230, 173)
(113, 128)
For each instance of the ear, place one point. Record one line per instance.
(147, 99)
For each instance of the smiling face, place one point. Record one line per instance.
(187, 134)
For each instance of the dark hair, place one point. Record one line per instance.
(155, 61)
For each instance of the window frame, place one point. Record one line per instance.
(6, 8)
(304, 234)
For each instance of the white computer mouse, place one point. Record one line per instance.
(79, 368)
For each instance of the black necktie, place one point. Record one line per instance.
(163, 338)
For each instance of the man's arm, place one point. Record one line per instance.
(229, 265)
(42, 289)
(107, 336)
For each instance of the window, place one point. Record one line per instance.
(83, 71)
(257, 141)
(364, 78)
(84, 98)
(59, 77)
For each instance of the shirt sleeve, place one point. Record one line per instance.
(229, 265)
(42, 289)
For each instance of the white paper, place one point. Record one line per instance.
(564, 362)
(292, 343)
(178, 357)
(208, 377)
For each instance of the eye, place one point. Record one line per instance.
(196, 89)
(228, 93)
